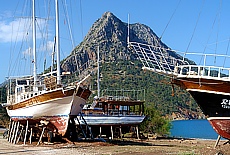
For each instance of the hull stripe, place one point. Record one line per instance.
(208, 91)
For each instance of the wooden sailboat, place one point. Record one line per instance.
(43, 97)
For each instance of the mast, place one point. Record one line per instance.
(34, 43)
(98, 73)
(128, 31)
(57, 44)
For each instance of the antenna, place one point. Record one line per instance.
(128, 31)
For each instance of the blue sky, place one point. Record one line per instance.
(213, 17)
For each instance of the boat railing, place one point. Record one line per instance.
(114, 112)
(157, 59)
(175, 63)
(123, 95)
(202, 71)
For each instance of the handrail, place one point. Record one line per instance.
(202, 71)
(170, 62)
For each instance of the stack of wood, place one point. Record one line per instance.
(50, 82)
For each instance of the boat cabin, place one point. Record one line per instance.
(114, 106)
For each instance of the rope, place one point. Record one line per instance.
(214, 22)
(194, 29)
(68, 23)
(169, 20)
(226, 52)
(218, 29)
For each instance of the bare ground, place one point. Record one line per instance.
(120, 147)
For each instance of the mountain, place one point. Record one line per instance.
(110, 33)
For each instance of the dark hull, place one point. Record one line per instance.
(214, 103)
(216, 107)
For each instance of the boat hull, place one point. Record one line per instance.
(56, 110)
(110, 120)
(221, 125)
(214, 103)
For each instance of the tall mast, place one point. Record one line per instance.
(34, 44)
(128, 31)
(57, 45)
(98, 72)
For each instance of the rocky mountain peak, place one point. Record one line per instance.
(110, 34)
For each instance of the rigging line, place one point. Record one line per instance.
(81, 20)
(47, 30)
(68, 23)
(47, 44)
(218, 28)
(13, 69)
(71, 19)
(169, 20)
(43, 45)
(12, 46)
(226, 52)
(194, 29)
(214, 22)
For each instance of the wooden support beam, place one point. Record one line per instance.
(27, 125)
(120, 132)
(16, 133)
(100, 132)
(9, 130)
(137, 130)
(217, 141)
(13, 131)
(40, 139)
(19, 135)
(81, 126)
(31, 133)
(111, 132)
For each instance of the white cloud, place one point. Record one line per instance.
(20, 29)
(15, 30)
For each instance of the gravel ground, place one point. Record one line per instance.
(119, 147)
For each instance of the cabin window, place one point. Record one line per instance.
(22, 82)
(19, 89)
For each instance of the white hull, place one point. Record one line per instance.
(110, 120)
(56, 112)
(71, 105)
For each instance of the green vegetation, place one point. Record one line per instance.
(4, 118)
(155, 123)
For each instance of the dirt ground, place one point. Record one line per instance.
(120, 147)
